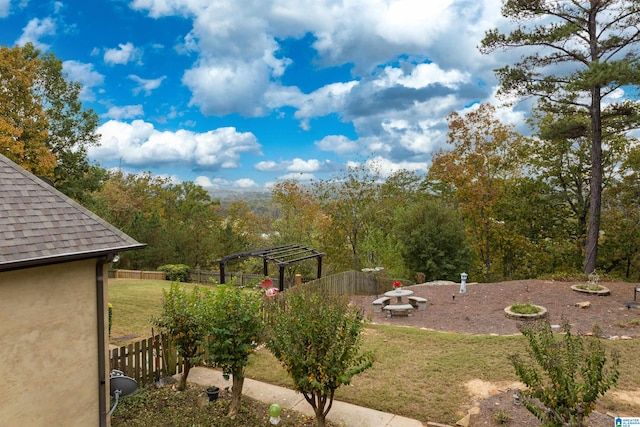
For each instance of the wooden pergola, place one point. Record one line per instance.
(282, 256)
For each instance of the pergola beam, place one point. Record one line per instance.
(280, 255)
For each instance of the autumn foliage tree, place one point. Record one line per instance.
(484, 155)
(43, 125)
(23, 120)
(300, 220)
(352, 201)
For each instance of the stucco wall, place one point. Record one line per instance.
(49, 346)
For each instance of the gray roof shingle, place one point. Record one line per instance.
(39, 225)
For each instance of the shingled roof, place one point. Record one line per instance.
(40, 226)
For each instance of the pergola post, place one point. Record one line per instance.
(319, 266)
(222, 273)
(281, 277)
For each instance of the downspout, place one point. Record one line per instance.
(102, 385)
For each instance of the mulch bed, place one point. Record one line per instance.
(481, 309)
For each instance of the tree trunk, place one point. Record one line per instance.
(593, 232)
(182, 385)
(318, 407)
(321, 405)
(236, 393)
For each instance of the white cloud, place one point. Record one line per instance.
(146, 85)
(339, 144)
(386, 167)
(267, 166)
(220, 183)
(86, 75)
(226, 87)
(245, 183)
(424, 75)
(125, 112)
(296, 165)
(139, 143)
(159, 8)
(326, 100)
(211, 184)
(34, 30)
(122, 55)
(299, 165)
(4, 8)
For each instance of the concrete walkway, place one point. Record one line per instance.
(344, 414)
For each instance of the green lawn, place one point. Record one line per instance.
(134, 303)
(417, 373)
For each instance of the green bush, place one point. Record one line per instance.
(176, 272)
(569, 378)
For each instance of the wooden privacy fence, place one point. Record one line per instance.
(148, 360)
(195, 276)
(242, 279)
(136, 274)
(353, 283)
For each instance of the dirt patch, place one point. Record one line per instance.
(632, 397)
(499, 402)
(481, 309)
(479, 389)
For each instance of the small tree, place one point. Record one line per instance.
(234, 326)
(316, 337)
(182, 318)
(573, 374)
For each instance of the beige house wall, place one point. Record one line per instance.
(49, 346)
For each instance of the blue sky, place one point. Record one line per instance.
(239, 94)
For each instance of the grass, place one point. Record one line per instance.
(416, 373)
(135, 302)
(525, 308)
(501, 417)
(633, 323)
(590, 287)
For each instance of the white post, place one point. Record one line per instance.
(463, 283)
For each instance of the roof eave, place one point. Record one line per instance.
(68, 257)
